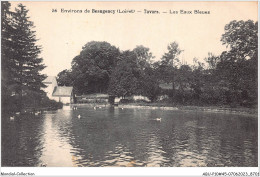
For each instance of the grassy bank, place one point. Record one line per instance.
(169, 106)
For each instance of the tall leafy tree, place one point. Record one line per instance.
(65, 78)
(183, 81)
(238, 65)
(169, 63)
(148, 80)
(149, 84)
(242, 39)
(92, 68)
(124, 80)
(144, 57)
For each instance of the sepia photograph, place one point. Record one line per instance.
(129, 84)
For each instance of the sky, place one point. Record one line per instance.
(62, 35)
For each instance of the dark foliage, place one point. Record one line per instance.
(228, 79)
(21, 64)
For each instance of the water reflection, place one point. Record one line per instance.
(21, 141)
(56, 151)
(130, 137)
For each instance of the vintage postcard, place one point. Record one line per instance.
(129, 84)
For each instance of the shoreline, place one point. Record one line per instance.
(217, 109)
(213, 109)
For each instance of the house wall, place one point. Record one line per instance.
(64, 100)
(50, 87)
(140, 97)
(117, 100)
(49, 90)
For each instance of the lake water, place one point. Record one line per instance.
(130, 137)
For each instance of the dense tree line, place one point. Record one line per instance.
(227, 79)
(21, 64)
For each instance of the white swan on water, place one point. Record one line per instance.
(79, 116)
(158, 119)
(12, 118)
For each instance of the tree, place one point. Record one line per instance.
(238, 66)
(183, 80)
(65, 78)
(26, 53)
(168, 65)
(242, 39)
(7, 47)
(211, 61)
(148, 80)
(149, 84)
(124, 80)
(91, 69)
(7, 44)
(20, 56)
(144, 56)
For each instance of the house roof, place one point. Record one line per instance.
(62, 91)
(49, 80)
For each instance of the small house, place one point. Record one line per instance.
(61, 94)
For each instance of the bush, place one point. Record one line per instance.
(50, 104)
(30, 100)
(124, 101)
